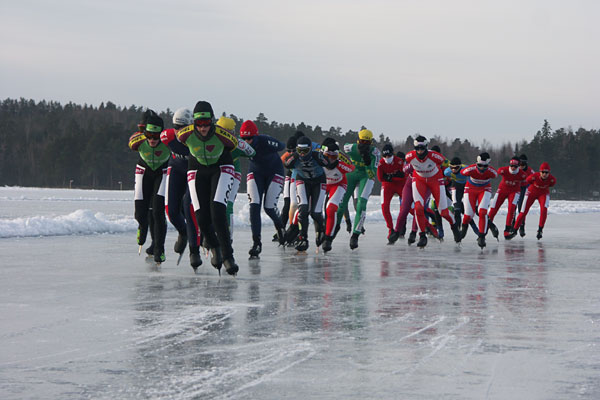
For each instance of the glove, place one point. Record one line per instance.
(398, 174)
(370, 174)
(387, 177)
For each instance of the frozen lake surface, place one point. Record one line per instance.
(83, 316)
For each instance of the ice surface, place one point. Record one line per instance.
(83, 316)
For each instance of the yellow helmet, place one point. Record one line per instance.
(226, 123)
(365, 134)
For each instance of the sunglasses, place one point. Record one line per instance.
(454, 167)
(203, 122)
(420, 147)
(302, 150)
(544, 172)
(364, 141)
(513, 166)
(482, 166)
(152, 136)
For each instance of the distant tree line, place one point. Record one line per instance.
(46, 144)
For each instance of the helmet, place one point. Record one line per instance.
(436, 148)
(291, 143)
(203, 110)
(227, 124)
(248, 129)
(455, 162)
(387, 150)
(331, 151)
(401, 155)
(304, 146)
(145, 116)
(154, 125)
(328, 141)
(483, 160)
(544, 167)
(182, 117)
(514, 161)
(523, 160)
(365, 134)
(421, 142)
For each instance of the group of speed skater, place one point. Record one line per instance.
(192, 173)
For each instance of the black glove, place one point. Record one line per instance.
(398, 174)
(388, 177)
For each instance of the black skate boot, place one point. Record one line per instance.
(493, 229)
(231, 267)
(393, 237)
(326, 246)
(522, 230)
(195, 260)
(507, 230)
(280, 236)
(511, 234)
(320, 238)
(422, 240)
(412, 237)
(141, 236)
(481, 240)
(180, 243)
(275, 237)
(302, 244)
(256, 248)
(150, 249)
(354, 241)
(539, 233)
(159, 255)
(456, 232)
(216, 259)
(402, 231)
(291, 235)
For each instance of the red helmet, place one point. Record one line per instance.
(248, 129)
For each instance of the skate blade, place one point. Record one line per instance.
(179, 259)
(140, 251)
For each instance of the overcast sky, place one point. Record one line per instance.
(476, 70)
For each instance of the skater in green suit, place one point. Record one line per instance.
(364, 157)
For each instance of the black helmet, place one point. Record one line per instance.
(304, 146)
(387, 150)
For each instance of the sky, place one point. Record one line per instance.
(486, 71)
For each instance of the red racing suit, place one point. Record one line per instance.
(336, 188)
(510, 187)
(392, 180)
(539, 189)
(427, 176)
(478, 191)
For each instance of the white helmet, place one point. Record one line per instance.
(183, 117)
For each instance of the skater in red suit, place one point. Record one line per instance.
(392, 178)
(510, 188)
(539, 189)
(478, 192)
(427, 176)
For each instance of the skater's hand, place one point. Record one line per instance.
(370, 174)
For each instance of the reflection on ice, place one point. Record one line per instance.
(516, 320)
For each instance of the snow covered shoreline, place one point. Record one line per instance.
(32, 212)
